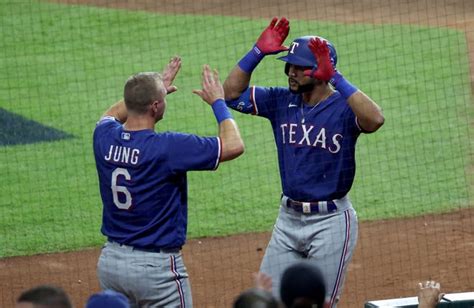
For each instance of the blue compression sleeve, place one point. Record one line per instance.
(251, 60)
(342, 85)
(221, 111)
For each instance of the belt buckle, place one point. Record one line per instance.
(306, 207)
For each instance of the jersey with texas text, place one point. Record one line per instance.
(142, 179)
(315, 145)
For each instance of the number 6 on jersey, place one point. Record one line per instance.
(121, 189)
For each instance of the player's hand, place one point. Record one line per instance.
(263, 281)
(429, 294)
(212, 89)
(170, 72)
(325, 70)
(272, 38)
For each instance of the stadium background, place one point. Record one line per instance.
(63, 63)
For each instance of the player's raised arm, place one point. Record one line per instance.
(213, 94)
(270, 42)
(369, 114)
(118, 111)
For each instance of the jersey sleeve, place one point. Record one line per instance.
(258, 101)
(188, 152)
(105, 123)
(106, 119)
(350, 120)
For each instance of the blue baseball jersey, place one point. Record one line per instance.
(142, 179)
(316, 145)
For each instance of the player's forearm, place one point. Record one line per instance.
(236, 83)
(118, 111)
(368, 113)
(239, 78)
(232, 143)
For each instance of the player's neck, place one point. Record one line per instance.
(139, 122)
(319, 94)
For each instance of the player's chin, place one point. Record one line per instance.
(298, 88)
(293, 85)
(294, 89)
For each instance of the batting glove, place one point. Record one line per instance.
(269, 42)
(272, 38)
(324, 70)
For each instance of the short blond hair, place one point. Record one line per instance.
(141, 90)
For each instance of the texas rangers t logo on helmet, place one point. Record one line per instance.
(293, 46)
(300, 54)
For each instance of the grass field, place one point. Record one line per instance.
(63, 66)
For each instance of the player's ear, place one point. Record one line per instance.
(155, 105)
(158, 108)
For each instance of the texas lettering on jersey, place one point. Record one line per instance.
(310, 140)
(309, 135)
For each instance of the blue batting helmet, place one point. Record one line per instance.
(300, 54)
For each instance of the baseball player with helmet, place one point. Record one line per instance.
(142, 180)
(316, 121)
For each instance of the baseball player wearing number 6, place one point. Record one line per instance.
(142, 179)
(316, 122)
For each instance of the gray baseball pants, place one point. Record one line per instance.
(148, 279)
(328, 239)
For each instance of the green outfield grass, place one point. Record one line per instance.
(64, 65)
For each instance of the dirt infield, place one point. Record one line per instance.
(391, 256)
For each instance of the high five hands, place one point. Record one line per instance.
(212, 89)
(325, 69)
(169, 73)
(272, 38)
